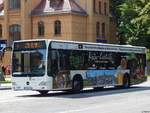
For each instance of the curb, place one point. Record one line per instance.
(5, 88)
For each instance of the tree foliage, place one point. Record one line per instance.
(114, 7)
(133, 21)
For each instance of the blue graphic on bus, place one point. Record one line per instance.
(101, 77)
(95, 73)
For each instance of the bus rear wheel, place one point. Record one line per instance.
(98, 88)
(43, 92)
(77, 84)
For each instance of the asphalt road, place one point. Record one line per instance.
(133, 100)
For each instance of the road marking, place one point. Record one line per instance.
(13, 100)
(103, 106)
(83, 109)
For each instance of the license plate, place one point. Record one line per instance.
(27, 88)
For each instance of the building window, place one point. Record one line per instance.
(15, 32)
(105, 8)
(14, 4)
(97, 29)
(56, 4)
(103, 30)
(57, 27)
(41, 28)
(1, 31)
(100, 7)
(94, 6)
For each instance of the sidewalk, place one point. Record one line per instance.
(5, 86)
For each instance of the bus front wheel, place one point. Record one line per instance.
(77, 84)
(43, 92)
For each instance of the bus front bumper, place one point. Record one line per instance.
(32, 86)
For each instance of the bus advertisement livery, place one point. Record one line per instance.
(46, 65)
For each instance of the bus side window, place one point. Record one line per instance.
(53, 63)
(63, 59)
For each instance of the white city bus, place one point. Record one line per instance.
(48, 65)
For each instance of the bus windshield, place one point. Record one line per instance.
(29, 61)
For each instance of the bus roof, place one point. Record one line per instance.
(92, 46)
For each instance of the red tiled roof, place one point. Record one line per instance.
(75, 7)
(67, 6)
(1, 1)
(1, 7)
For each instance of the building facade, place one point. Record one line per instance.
(80, 20)
(77, 20)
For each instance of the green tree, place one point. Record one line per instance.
(114, 9)
(134, 22)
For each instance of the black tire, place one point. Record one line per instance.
(126, 81)
(77, 84)
(43, 92)
(98, 88)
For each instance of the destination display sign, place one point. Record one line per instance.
(29, 45)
